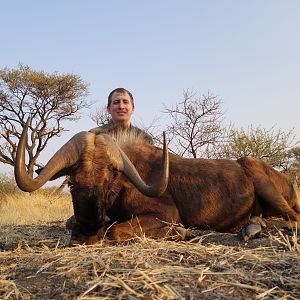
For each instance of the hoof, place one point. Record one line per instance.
(191, 234)
(182, 233)
(251, 231)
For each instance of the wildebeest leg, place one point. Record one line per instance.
(71, 222)
(78, 238)
(270, 186)
(253, 228)
(145, 225)
(267, 192)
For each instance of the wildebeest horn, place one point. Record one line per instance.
(69, 154)
(161, 184)
(65, 157)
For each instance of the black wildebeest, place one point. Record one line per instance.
(202, 193)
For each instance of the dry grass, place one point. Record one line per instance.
(149, 269)
(35, 263)
(35, 208)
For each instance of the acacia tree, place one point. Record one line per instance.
(291, 164)
(101, 116)
(195, 124)
(48, 99)
(271, 145)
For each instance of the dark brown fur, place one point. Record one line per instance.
(216, 194)
(275, 194)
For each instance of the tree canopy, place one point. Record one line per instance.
(48, 99)
(271, 145)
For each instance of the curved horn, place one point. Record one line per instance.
(65, 157)
(159, 187)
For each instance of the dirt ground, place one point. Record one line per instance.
(36, 263)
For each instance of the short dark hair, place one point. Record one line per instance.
(121, 91)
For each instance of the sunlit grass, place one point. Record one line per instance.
(35, 208)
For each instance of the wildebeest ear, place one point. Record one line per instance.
(57, 175)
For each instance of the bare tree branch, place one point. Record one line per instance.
(49, 99)
(195, 123)
(101, 116)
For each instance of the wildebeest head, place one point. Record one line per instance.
(92, 161)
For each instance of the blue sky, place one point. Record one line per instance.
(245, 52)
